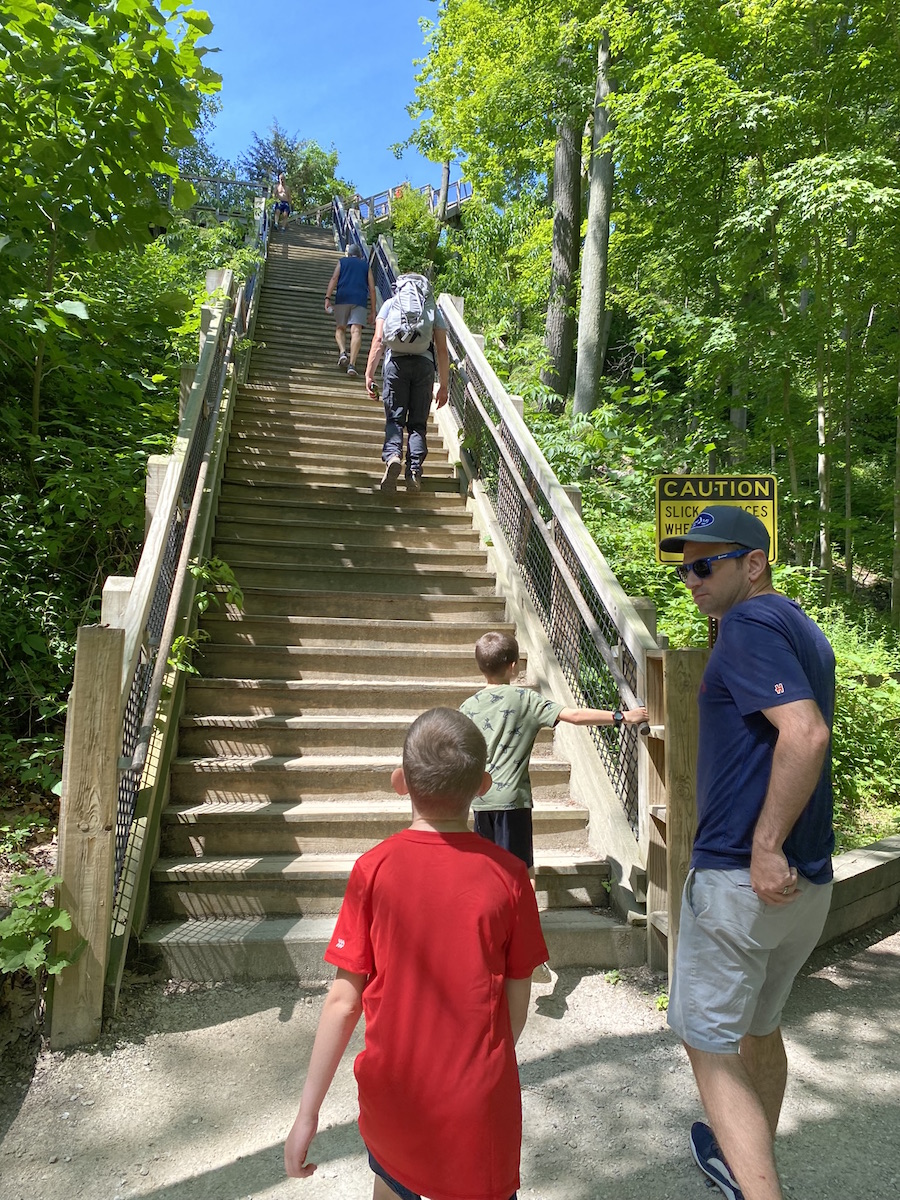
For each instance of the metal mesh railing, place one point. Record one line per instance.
(598, 666)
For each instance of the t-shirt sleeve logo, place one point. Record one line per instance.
(340, 943)
(779, 689)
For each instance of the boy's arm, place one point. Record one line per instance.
(518, 996)
(600, 716)
(340, 1014)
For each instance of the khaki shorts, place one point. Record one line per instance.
(737, 957)
(349, 314)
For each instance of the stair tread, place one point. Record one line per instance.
(316, 809)
(263, 928)
(332, 864)
(212, 764)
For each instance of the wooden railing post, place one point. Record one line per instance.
(673, 824)
(87, 834)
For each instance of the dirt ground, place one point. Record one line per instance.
(192, 1090)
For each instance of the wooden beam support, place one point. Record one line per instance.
(87, 834)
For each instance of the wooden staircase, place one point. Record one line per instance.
(361, 611)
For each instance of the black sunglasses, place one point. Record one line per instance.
(702, 567)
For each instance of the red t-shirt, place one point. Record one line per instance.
(439, 922)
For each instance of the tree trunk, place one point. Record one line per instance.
(559, 333)
(895, 566)
(441, 213)
(593, 329)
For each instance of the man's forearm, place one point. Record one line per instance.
(796, 768)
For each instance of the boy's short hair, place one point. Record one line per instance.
(494, 651)
(444, 756)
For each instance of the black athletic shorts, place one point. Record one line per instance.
(509, 828)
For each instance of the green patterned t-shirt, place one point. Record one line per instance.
(510, 718)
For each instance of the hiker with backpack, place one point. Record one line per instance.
(412, 335)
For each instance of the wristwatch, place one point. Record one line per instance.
(618, 718)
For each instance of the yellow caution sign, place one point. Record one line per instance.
(679, 498)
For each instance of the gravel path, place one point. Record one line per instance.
(193, 1088)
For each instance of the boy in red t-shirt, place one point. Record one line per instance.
(435, 943)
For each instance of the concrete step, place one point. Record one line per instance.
(386, 606)
(313, 885)
(248, 529)
(294, 780)
(263, 827)
(296, 737)
(437, 495)
(352, 552)
(300, 697)
(241, 629)
(326, 506)
(333, 662)
(304, 435)
(260, 947)
(354, 465)
(401, 580)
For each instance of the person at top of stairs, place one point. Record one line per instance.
(353, 288)
(281, 209)
(432, 919)
(408, 378)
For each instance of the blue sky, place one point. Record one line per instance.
(338, 73)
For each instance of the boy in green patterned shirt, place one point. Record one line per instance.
(510, 718)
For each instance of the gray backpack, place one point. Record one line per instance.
(409, 324)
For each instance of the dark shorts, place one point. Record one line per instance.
(397, 1188)
(509, 828)
(281, 206)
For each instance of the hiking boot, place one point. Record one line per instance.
(352, 371)
(343, 361)
(711, 1161)
(414, 481)
(391, 471)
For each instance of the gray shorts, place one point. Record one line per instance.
(349, 314)
(737, 957)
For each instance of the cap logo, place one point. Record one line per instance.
(703, 520)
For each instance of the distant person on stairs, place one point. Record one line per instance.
(281, 210)
(353, 288)
(410, 329)
(435, 944)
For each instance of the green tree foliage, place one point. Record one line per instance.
(412, 229)
(94, 103)
(309, 171)
(71, 502)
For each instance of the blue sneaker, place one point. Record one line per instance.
(711, 1161)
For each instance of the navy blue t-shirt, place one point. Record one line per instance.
(768, 653)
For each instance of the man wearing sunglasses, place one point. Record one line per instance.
(759, 887)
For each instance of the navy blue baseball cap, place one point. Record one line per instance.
(723, 523)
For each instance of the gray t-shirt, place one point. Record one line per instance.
(510, 718)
